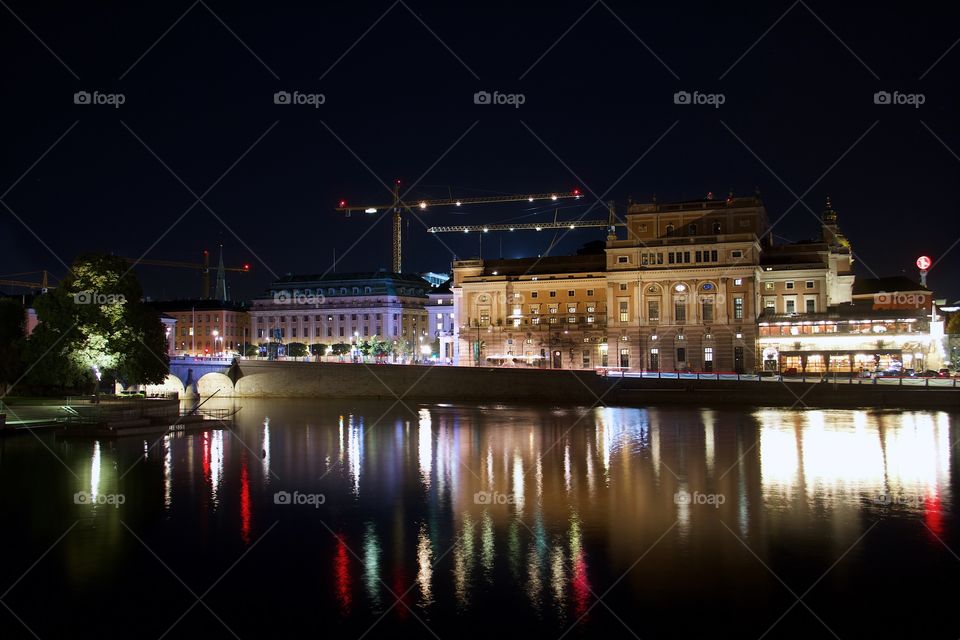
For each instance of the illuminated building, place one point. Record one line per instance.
(206, 327)
(341, 307)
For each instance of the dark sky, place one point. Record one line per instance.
(598, 81)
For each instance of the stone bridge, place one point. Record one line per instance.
(196, 376)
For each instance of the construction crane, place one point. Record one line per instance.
(42, 285)
(203, 267)
(610, 222)
(398, 206)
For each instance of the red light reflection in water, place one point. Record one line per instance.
(932, 512)
(400, 588)
(244, 499)
(341, 570)
(580, 583)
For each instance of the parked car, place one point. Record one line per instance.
(943, 373)
(930, 373)
(909, 373)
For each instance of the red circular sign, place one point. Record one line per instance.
(924, 262)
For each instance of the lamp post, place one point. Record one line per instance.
(216, 342)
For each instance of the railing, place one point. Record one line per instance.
(767, 376)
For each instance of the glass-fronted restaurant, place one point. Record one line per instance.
(848, 341)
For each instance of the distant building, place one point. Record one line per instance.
(342, 307)
(206, 327)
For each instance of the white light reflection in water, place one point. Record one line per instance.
(424, 567)
(487, 547)
(839, 457)
(95, 473)
(490, 467)
(266, 450)
(216, 464)
(463, 558)
(567, 478)
(167, 472)
(709, 422)
(518, 483)
(558, 579)
(371, 564)
(425, 447)
(355, 452)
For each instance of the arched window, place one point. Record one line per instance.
(692, 229)
(669, 229)
(717, 227)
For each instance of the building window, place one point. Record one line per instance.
(624, 311)
(623, 259)
(623, 286)
(585, 361)
(653, 310)
(553, 320)
(572, 319)
(717, 227)
(572, 308)
(571, 293)
(330, 332)
(590, 319)
(708, 310)
(736, 254)
(788, 285)
(534, 309)
(669, 229)
(809, 284)
(680, 311)
(811, 305)
(738, 282)
(708, 354)
(553, 309)
(589, 293)
(553, 294)
(534, 320)
(681, 354)
(738, 308)
(791, 306)
(692, 229)
(533, 294)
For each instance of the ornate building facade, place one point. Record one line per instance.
(681, 290)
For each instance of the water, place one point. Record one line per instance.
(453, 521)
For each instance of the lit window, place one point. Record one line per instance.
(738, 282)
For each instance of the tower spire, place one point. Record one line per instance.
(221, 293)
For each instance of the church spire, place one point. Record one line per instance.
(221, 293)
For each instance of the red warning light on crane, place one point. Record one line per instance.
(343, 203)
(924, 263)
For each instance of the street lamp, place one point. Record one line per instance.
(216, 341)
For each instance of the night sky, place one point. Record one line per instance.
(598, 80)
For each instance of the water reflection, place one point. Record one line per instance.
(455, 506)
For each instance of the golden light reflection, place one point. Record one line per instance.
(424, 566)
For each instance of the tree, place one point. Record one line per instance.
(95, 324)
(251, 350)
(296, 350)
(953, 326)
(340, 348)
(12, 337)
(318, 349)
